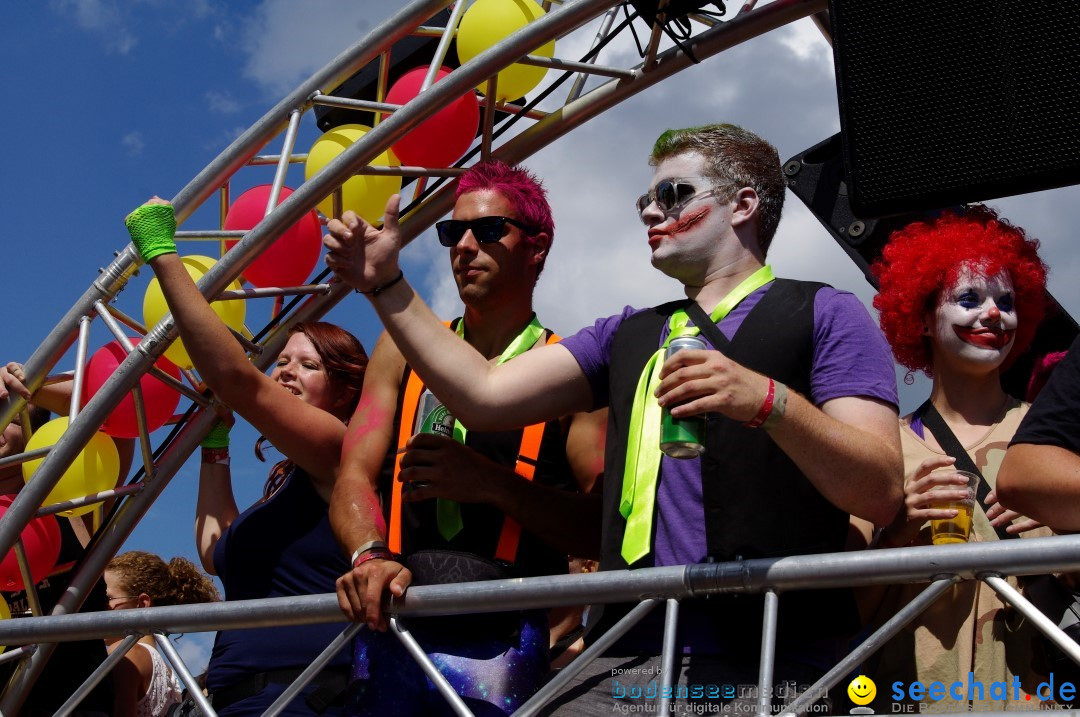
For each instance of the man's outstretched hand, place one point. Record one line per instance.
(361, 255)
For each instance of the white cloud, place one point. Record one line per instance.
(101, 17)
(194, 649)
(133, 143)
(287, 41)
(221, 102)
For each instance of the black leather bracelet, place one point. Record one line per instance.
(379, 289)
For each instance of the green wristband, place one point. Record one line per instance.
(218, 437)
(152, 227)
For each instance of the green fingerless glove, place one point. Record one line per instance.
(218, 437)
(152, 227)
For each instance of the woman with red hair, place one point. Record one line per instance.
(960, 298)
(282, 545)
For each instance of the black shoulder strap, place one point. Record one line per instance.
(704, 322)
(933, 421)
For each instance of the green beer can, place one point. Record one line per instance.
(682, 437)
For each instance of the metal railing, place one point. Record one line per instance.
(941, 566)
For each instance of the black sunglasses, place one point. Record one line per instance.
(487, 230)
(673, 194)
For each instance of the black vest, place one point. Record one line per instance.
(758, 504)
(482, 522)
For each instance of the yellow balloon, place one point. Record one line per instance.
(488, 22)
(96, 468)
(155, 308)
(5, 614)
(365, 194)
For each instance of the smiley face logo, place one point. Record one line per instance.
(862, 690)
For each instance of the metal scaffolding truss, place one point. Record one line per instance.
(533, 130)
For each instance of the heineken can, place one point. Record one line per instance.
(682, 437)
(433, 417)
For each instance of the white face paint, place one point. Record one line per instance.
(684, 244)
(975, 319)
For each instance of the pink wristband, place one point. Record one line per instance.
(766, 407)
(373, 554)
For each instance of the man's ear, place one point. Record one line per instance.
(144, 600)
(540, 244)
(746, 203)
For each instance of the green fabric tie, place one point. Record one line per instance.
(152, 227)
(643, 454)
(448, 512)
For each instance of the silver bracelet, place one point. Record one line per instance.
(369, 545)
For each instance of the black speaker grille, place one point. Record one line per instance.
(953, 101)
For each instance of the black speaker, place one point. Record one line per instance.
(817, 177)
(952, 101)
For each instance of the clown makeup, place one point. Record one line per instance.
(975, 319)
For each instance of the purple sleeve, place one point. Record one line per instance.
(591, 348)
(851, 355)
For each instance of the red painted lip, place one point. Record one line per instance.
(985, 338)
(656, 236)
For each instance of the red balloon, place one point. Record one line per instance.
(159, 399)
(41, 541)
(290, 259)
(442, 138)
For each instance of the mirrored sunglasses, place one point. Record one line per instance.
(486, 230)
(673, 194)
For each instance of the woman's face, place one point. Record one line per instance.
(300, 370)
(118, 597)
(974, 324)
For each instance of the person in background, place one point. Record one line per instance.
(282, 545)
(145, 684)
(961, 296)
(1041, 471)
(71, 662)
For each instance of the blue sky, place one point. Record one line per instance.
(110, 102)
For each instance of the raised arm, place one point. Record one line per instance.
(308, 435)
(537, 386)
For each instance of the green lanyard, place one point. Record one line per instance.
(638, 498)
(448, 512)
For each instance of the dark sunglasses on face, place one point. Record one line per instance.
(487, 230)
(673, 194)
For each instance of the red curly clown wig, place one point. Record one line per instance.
(924, 258)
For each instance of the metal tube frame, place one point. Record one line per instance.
(215, 178)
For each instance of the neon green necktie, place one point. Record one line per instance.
(448, 512)
(643, 441)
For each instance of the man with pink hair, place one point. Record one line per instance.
(464, 505)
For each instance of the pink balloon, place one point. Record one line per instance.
(290, 259)
(40, 539)
(159, 400)
(442, 138)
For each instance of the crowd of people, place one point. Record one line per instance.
(488, 447)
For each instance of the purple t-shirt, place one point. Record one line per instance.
(844, 337)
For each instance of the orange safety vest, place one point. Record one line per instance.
(531, 437)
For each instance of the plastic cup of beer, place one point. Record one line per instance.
(944, 531)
